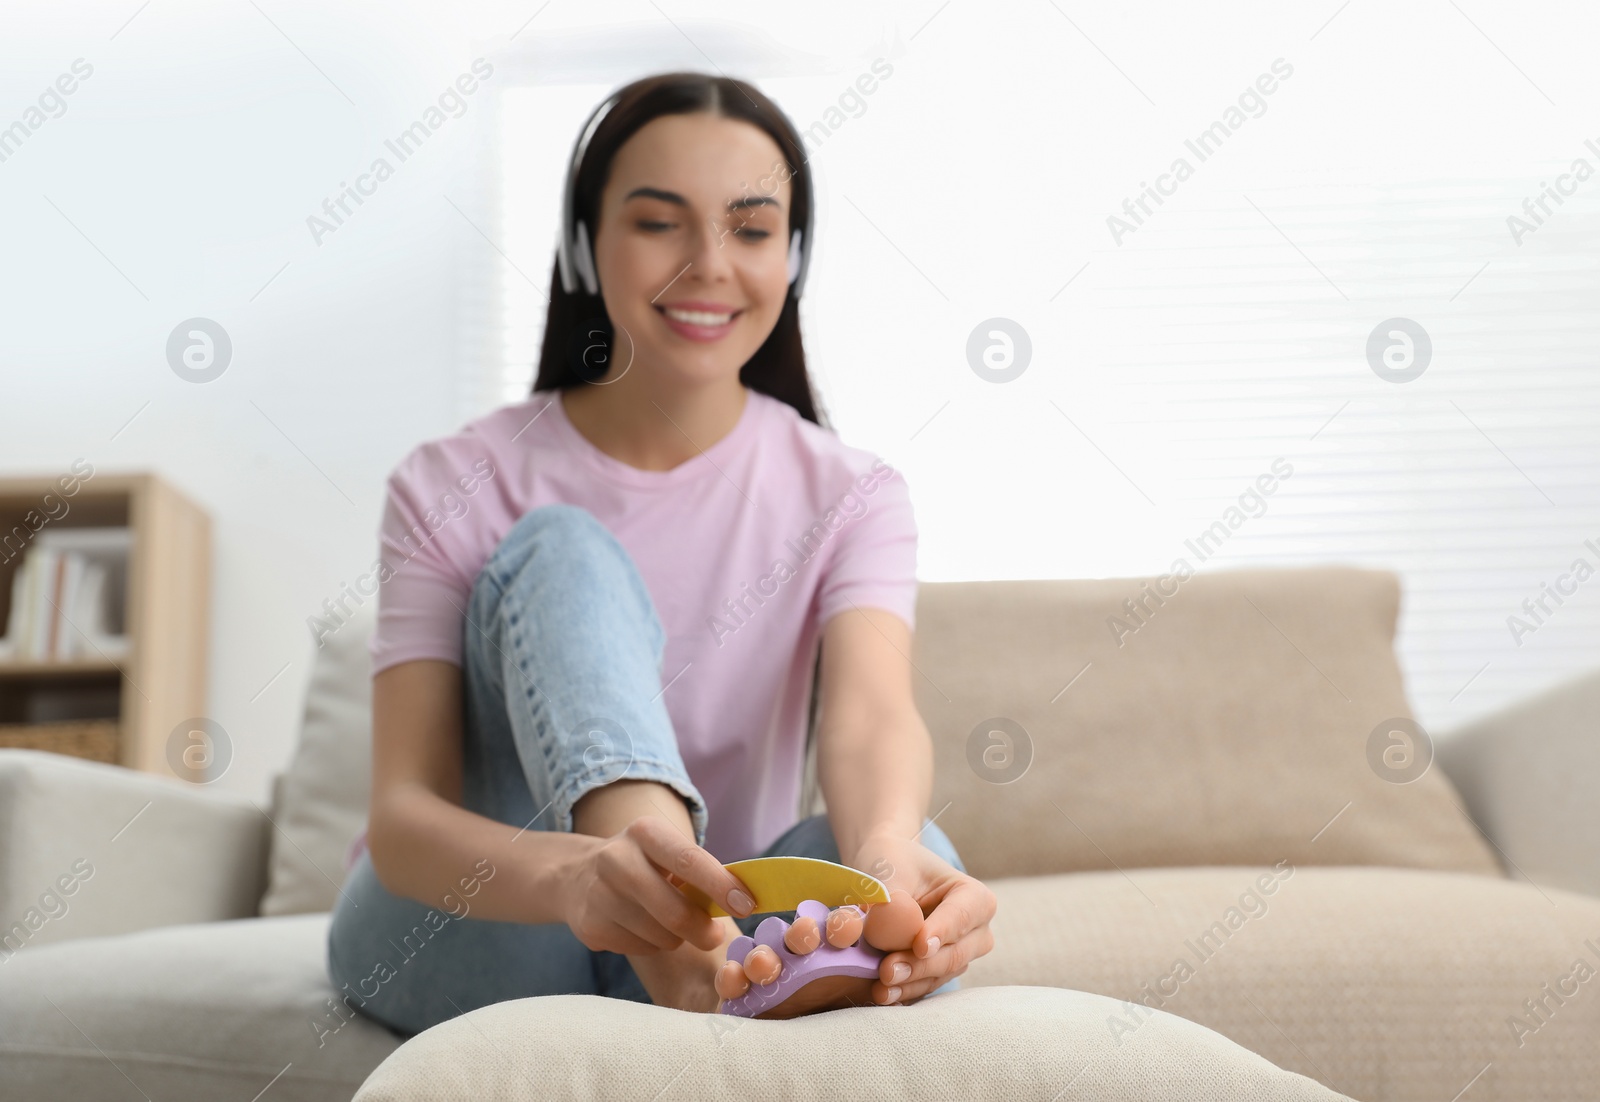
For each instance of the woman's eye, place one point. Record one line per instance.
(747, 233)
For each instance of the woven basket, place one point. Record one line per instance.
(95, 739)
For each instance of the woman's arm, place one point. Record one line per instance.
(424, 845)
(874, 755)
(875, 766)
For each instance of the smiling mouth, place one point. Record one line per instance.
(698, 317)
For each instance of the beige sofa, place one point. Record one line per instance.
(1220, 872)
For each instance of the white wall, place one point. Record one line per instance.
(191, 158)
(179, 179)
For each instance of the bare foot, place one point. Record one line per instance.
(815, 928)
(685, 977)
(828, 993)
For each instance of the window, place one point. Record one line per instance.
(1171, 372)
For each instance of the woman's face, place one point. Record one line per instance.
(694, 217)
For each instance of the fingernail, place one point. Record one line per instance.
(894, 994)
(933, 946)
(900, 972)
(739, 903)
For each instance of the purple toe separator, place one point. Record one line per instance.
(798, 969)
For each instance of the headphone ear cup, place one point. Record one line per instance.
(583, 255)
(795, 256)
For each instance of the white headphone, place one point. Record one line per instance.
(575, 252)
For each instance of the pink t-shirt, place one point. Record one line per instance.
(747, 549)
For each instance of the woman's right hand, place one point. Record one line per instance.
(622, 900)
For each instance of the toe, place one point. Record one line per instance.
(844, 926)
(803, 937)
(762, 965)
(732, 982)
(894, 925)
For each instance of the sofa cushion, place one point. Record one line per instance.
(1228, 721)
(988, 1043)
(1385, 984)
(214, 1010)
(322, 797)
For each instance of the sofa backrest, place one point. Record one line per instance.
(1238, 717)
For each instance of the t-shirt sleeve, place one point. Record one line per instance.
(875, 561)
(422, 594)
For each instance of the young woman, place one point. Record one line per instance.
(600, 610)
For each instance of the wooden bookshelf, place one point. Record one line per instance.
(65, 705)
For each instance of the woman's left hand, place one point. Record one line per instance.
(956, 910)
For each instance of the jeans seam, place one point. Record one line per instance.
(492, 565)
(501, 572)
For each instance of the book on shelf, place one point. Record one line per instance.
(69, 597)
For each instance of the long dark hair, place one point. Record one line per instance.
(579, 321)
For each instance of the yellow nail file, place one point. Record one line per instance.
(781, 883)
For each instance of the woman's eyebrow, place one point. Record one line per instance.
(744, 203)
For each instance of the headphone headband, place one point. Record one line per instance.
(575, 249)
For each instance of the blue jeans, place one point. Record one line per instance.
(561, 682)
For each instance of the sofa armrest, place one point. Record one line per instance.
(88, 849)
(1528, 773)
